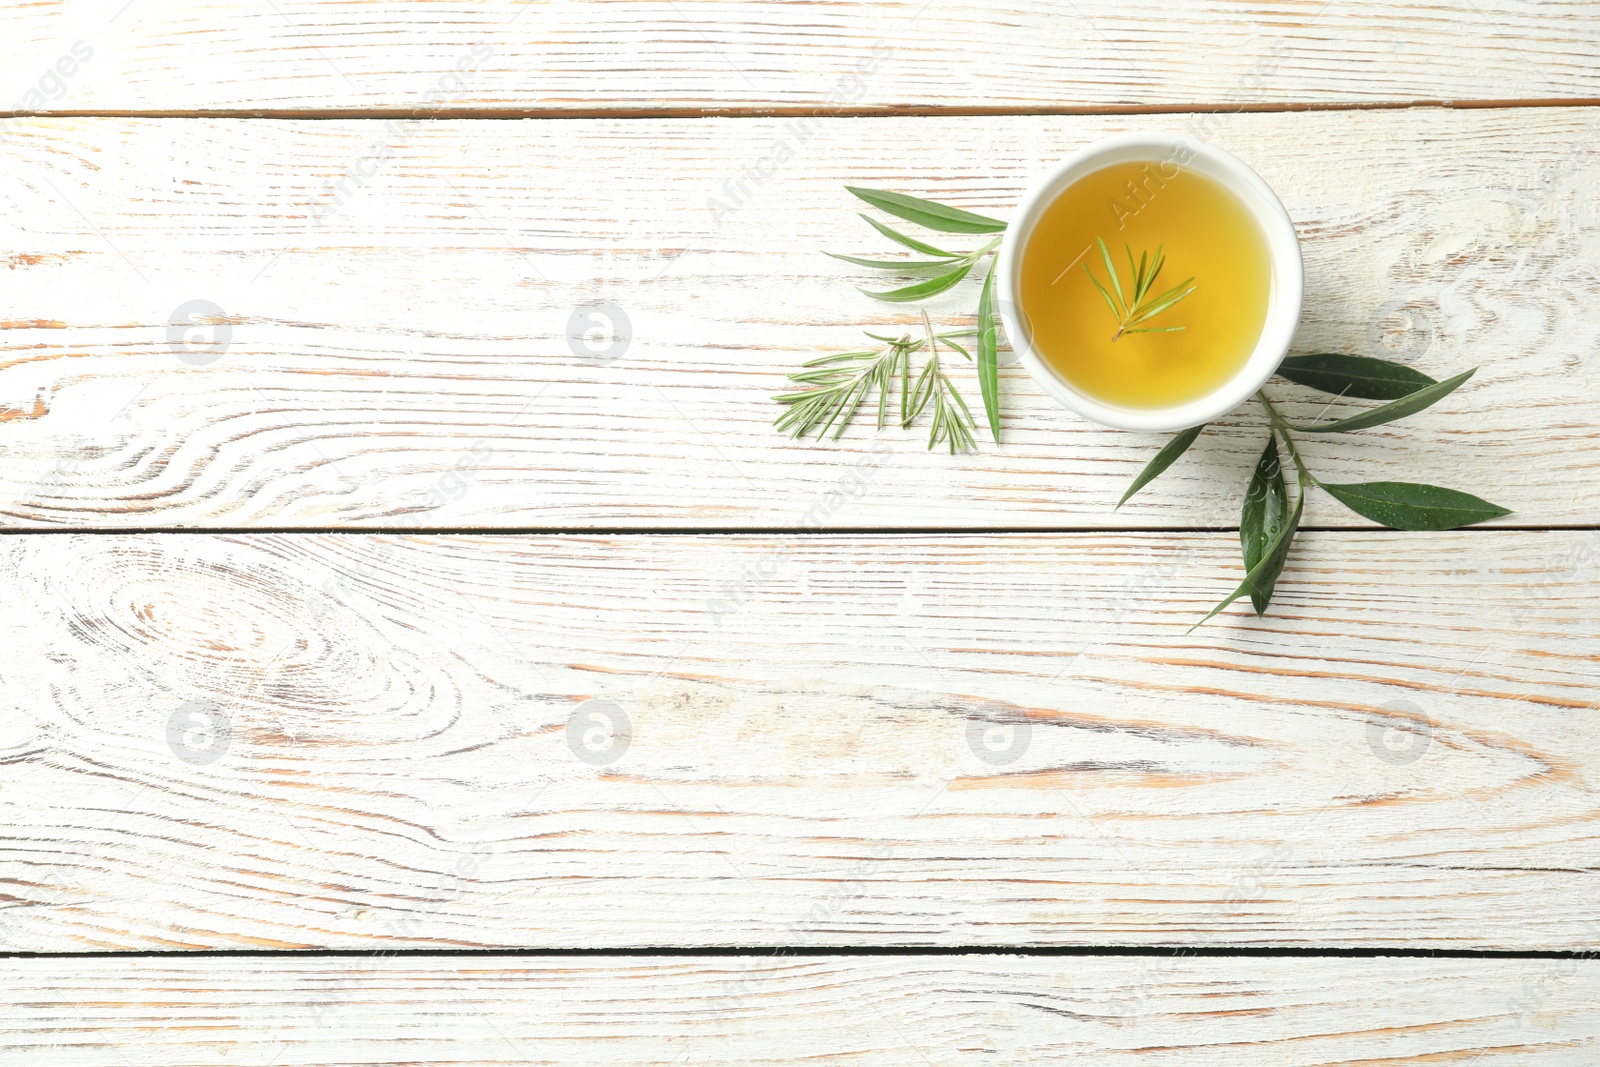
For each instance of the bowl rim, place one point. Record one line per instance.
(1284, 301)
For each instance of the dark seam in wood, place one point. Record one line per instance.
(818, 111)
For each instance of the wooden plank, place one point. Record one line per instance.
(563, 741)
(749, 1011)
(718, 55)
(408, 350)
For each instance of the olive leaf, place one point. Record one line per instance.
(927, 213)
(1409, 404)
(1362, 377)
(954, 266)
(908, 266)
(1266, 508)
(988, 359)
(910, 242)
(1163, 459)
(922, 290)
(1271, 562)
(1414, 506)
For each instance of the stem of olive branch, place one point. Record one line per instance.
(985, 250)
(1282, 426)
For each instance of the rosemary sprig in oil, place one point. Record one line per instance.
(1136, 306)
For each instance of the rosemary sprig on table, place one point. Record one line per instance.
(952, 421)
(1130, 311)
(840, 383)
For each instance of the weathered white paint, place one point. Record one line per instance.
(402, 358)
(383, 741)
(738, 1012)
(570, 55)
(1403, 753)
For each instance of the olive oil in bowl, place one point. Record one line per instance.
(1201, 228)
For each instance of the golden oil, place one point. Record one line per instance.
(1204, 231)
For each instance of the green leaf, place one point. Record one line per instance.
(988, 360)
(908, 266)
(927, 213)
(931, 287)
(1271, 563)
(1409, 404)
(1115, 311)
(910, 242)
(1266, 508)
(959, 348)
(841, 357)
(1163, 459)
(1413, 506)
(1161, 303)
(921, 391)
(838, 385)
(1363, 377)
(1112, 270)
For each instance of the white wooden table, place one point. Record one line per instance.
(393, 683)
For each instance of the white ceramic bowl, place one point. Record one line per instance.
(1283, 306)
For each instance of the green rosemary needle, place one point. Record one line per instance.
(1132, 310)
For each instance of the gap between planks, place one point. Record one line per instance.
(879, 111)
(746, 531)
(835, 951)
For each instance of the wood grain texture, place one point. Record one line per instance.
(887, 1011)
(402, 341)
(451, 55)
(566, 741)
